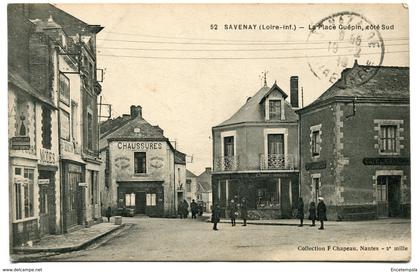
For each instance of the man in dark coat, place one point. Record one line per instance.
(215, 216)
(312, 213)
(181, 209)
(200, 208)
(322, 212)
(194, 209)
(300, 211)
(108, 213)
(233, 212)
(185, 208)
(244, 210)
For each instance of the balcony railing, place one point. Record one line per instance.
(276, 162)
(227, 163)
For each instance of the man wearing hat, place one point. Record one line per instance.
(322, 212)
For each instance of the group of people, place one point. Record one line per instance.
(315, 213)
(183, 209)
(236, 208)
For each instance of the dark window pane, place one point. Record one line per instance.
(139, 162)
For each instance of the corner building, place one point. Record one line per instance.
(355, 146)
(255, 155)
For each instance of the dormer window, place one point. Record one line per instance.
(274, 109)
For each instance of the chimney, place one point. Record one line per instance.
(294, 91)
(135, 111)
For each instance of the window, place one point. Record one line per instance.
(150, 199)
(46, 127)
(315, 143)
(274, 109)
(89, 131)
(139, 162)
(388, 138)
(65, 125)
(24, 193)
(228, 143)
(130, 200)
(188, 185)
(275, 158)
(64, 89)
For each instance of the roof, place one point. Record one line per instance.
(123, 128)
(204, 186)
(191, 174)
(70, 24)
(253, 111)
(15, 79)
(389, 82)
(180, 157)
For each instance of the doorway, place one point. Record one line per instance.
(140, 202)
(388, 196)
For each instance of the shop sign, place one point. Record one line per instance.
(139, 145)
(20, 143)
(386, 161)
(47, 157)
(316, 165)
(43, 181)
(82, 184)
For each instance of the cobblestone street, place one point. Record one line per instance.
(152, 239)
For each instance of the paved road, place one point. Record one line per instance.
(151, 239)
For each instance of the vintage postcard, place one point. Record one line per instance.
(209, 132)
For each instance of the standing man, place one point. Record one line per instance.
(300, 211)
(181, 209)
(215, 216)
(233, 212)
(244, 210)
(194, 209)
(322, 212)
(185, 208)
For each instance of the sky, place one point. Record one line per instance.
(190, 75)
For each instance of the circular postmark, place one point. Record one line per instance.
(350, 40)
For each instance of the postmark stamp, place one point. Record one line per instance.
(349, 39)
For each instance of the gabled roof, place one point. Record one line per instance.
(191, 174)
(123, 128)
(388, 83)
(253, 111)
(203, 186)
(275, 87)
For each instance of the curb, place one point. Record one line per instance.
(68, 248)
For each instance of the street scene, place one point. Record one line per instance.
(257, 136)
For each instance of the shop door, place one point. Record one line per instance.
(44, 217)
(70, 199)
(388, 196)
(140, 203)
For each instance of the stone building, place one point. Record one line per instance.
(204, 193)
(255, 154)
(142, 170)
(46, 120)
(355, 145)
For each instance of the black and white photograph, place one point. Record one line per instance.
(198, 132)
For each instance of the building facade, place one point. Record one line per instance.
(140, 172)
(204, 193)
(355, 146)
(45, 121)
(191, 186)
(255, 155)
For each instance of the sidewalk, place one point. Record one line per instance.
(72, 241)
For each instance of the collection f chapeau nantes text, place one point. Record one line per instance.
(351, 248)
(294, 27)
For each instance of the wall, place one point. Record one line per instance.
(159, 167)
(250, 143)
(347, 184)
